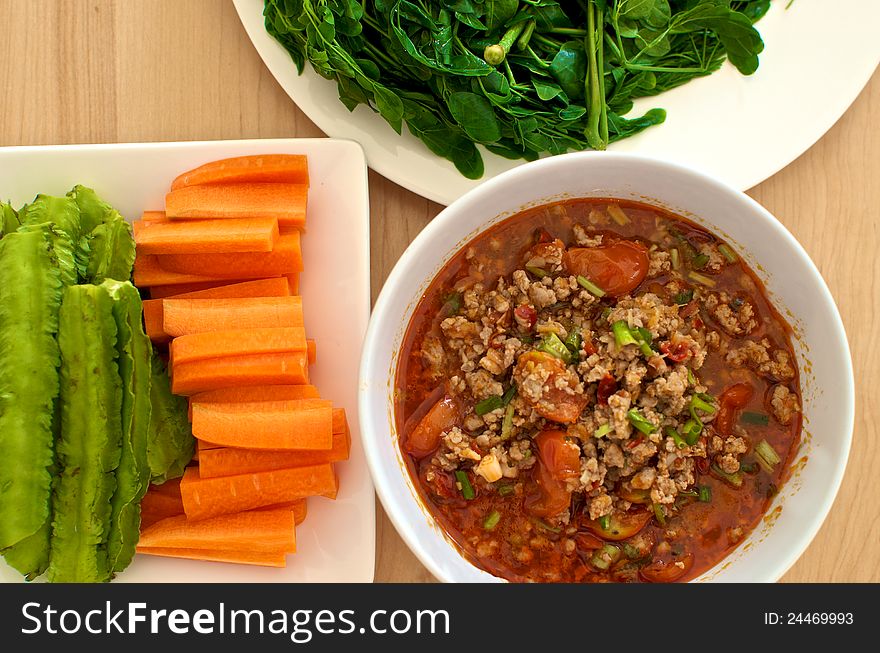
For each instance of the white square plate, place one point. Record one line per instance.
(336, 543)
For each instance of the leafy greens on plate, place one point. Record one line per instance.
(520, 77)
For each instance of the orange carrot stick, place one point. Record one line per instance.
(254, 393)
(285, 258)
(294, 424)
(153, 321)
(154, 216)
(312, 350)
(258, 558)
(226, 461)
(237, 342)
(254, 530)
(271, 287)
(148, 272)
(286, 202)
(175, 289)
(206, 236)
(289, 368)
(293, 282)
(156, 506)
(277, 168)
(209, 497)
(185, 316)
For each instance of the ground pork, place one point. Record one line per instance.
(736, 315)
(659, 263)
(784, 404)
(585, 239)
(768, 361)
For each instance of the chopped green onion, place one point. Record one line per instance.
(467, 490)
(488, 404)
(606, 312)
(605, 557)
(506, 490)
(761, 419)
(546, 526)
(631, 552)
(507, 423)
(451, 304)
(676, 437)
(735, 479)
(691, 378)
(698, 403)
(728, 253)
(622, 334)
(618, 215)
(691, 431)
(509, 394)
(640, 422)
(643, 337)
(702, 278)
(684, 296)
(602, 431)
(590, 287)
(767, 456)
(538, 272)
(705, 494)
(660, 514)
(676, 261)
(699, 261)
(605, 522)
(492, 520)
(748, 468)
(551, 344)
(573, 342)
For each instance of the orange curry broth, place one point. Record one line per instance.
(706, 530)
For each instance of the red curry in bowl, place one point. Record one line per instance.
(597, 390)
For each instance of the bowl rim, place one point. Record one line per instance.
(416, 249)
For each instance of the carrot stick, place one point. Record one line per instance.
(271, 287)
(186, 316)
(286, 202)
(153, 321)
(294, 424)
(289, 368)
(227, 461)
(285, 258)
(210, 497)
(206, 236)
(237, 342)
(278, 168)
(154, 216)
(312, 350)
(254, 530)
(175, 289)
(156, 506)
(299, 508)
(340, 423)
(258, 558)
(254, 393)
(148, 272)
(293, 282)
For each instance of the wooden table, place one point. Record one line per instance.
(102, 71)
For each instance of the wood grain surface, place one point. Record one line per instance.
(103, 71)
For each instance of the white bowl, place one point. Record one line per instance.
(794, 283)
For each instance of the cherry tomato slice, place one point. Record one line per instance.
(425, 437)
(556, 405)
(621, 525)
(558, 461)
(607, 387)
(669, 572)
(732, 400)
(676, 352)
(617, 269)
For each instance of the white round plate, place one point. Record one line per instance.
(818, 56)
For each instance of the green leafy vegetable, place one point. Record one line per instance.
(521, 78)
